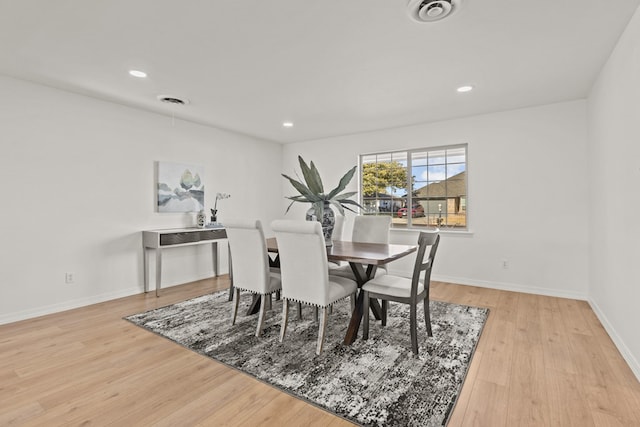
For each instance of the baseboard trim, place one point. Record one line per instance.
(83, 302)
(504, 286)
(67, 305)
(513, 287)
(627, 355)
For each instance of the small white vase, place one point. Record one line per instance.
(201, 219)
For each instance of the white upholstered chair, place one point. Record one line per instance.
(338, 227)
(371, 229)
(250, 263)
(407, 291)
(366, 229)
(337, 235)
(305, 275)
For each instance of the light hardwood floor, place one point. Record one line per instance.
(541, 361)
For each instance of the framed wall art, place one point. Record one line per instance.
(180, 187)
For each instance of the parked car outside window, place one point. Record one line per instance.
(416, 211)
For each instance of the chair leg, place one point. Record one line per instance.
(385, 307)
(263, 308)
(427, 317)
(234, 306)
(414, 330)
(353, 302)
(323, 328)
(365, 316)
(285, 318)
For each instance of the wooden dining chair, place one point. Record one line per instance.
(407, 291)
(251, 273)
(305, 275)
(366, 229)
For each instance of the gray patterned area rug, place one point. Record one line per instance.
(377, 382)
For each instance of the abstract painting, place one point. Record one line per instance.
(180, 187)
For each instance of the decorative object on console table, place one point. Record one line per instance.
(201, 219)
(313, 192)
(214, 211)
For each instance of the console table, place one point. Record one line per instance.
(176, 237)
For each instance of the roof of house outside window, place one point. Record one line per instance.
(455, 186)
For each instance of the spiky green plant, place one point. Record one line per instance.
(313, 191)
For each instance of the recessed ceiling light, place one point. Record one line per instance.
(462, 89)
(287, 124)
(138, 73)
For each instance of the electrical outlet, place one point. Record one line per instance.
(69, 277)
(505, 263)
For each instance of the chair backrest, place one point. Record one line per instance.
(424, 263)
(303, 261)
(249, 256)
(337, 227)
(371, 229)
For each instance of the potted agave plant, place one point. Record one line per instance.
(312, 191)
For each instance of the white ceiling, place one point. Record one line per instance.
(333, 67)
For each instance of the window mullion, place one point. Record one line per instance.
(409, 187)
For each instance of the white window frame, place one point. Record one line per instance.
(409, 198)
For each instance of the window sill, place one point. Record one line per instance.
(442, 231)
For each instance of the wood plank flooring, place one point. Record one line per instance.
(541, 361)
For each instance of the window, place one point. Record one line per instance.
(417, 188)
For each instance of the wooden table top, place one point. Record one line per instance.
(362, 253)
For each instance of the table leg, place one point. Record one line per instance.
(359, 273)
(158, 270)
(230, 277)
(214, 254)
(274, 262)
(374, 305)
(362, 277)
(255, 305)
(145, 263)
(356, 319)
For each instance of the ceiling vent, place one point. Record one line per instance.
(173, 100)
(432, 10)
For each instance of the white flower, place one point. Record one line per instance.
(220, 196)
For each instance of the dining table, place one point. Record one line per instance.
(364, 259)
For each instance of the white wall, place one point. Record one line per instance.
(614, 172)
(78, 178)
(527, 195)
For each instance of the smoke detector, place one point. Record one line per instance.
(432, 10)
